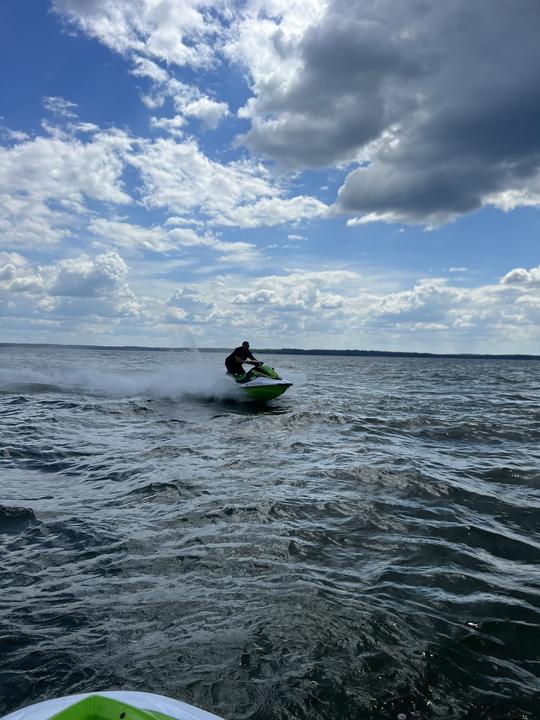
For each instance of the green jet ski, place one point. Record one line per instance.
(115, 705)
(261, 383)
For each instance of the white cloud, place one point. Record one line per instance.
(60, 292)
(60, 106)
(426, 302)
(272, 211)
(527, 196)
(264, 39)
(368, 83)
(299, 290)
(163, 239)
(67, 169)
(175, 315)
(363, 85)
(26, 220)
(211, 112)
(16, 275)
(131, 236)
(171, 125)
(86, 277)
(349, 306)
(188, 100)
(180, 178)
(150, 69)
(175, 32)
(10, 263)
(46, 181)
(520, 276)
(14, 135)
(149, 33)
(322, 308)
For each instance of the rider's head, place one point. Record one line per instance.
(245, 344)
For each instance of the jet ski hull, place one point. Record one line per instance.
(264, 393)
(112, 705)
(261, 384)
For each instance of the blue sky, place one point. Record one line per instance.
(305, 173)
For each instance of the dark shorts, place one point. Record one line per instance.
(234, 367)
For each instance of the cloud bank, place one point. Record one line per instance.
(270, 121)
(431, 104)
(433, 101)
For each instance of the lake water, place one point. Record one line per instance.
(366, 546)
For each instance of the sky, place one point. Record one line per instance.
(359, 174)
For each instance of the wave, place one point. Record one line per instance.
(15, 519)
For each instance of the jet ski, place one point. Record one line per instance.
(112, 705)
(261, 383)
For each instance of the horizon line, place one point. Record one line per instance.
(287, 351)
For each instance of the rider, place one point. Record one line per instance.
(239, 355)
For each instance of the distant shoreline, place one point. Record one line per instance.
(286, 351)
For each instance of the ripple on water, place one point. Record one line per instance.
(367, 546)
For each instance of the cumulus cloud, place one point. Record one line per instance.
(313, 305)
(336, 100)
(66, 169)
(520, 276)
(432, 104)
(96, 287)
(188, 100)
(427, 302)
(59, 292)
(16, 275)
(175, 32)
(470, 137)
(435, 101)
(46, 181)
(299, 290)
(175, 315)
(179, 177)
(211, 112)
(345, 304)
(87, 277)
(150, 33)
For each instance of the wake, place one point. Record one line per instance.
(173, 381)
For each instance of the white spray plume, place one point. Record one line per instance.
(171, 381)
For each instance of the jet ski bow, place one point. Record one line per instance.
(262, 383)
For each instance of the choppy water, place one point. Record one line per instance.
(365, 547)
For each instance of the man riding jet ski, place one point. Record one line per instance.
(262, 382)
(239, 355)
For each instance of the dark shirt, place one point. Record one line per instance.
(242, 353)
(232, 364)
